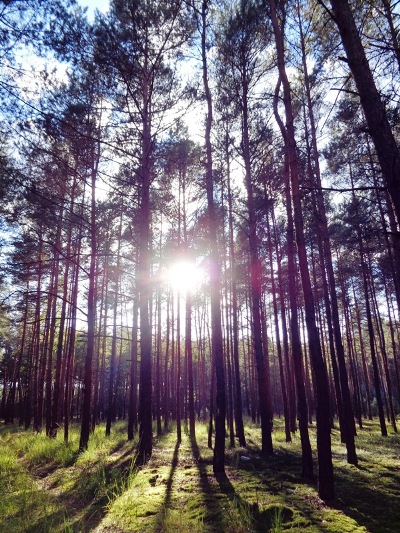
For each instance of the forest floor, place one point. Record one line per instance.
(46, 486)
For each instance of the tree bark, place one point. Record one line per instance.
(91, 311)
(325, 471)
(216, 327)
(144, 290)
(132, 413)
(255, 288)
(113, 357)
(306, 455)
(286, 411)
(238, 407)
(331, 303)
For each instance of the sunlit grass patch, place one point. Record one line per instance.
(22, 503)
(37, 449)
(337, 522)
(50, 487)
(100, 446)
(177, 489)
(176, 520)
(45, 451)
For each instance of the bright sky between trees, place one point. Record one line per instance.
(101, 5)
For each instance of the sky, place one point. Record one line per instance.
(101, 5)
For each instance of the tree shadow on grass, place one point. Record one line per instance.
(366, 501)
(168, 492)
(255, 518)
(369, 502)
(213, 510)
(96, 486)
(95, 489)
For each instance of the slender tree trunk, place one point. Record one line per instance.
(91, 311)
(144, 290)
(32, 387)
(384, 357)
(375, 368)
(132, 414)
(367, 379)
(50, 346)
(101, 346)
(167, 380)
(345, 415)
(286, 412)
(113, 358)
(371, 333)
(255, 275)
(157, 402)
(178, 368)
(393, 340)
(290, 380)
(44, 349)
(234, 311)
(57, 392)
(325, 475)
(307, 461)
(72, 333)
(216, 328)
(189, 358)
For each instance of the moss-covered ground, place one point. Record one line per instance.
(46, 486)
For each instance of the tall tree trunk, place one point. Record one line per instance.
(144, 289)
(189, 359)
(44, 347)
(72, 334)
(178, 368)
(50, 346)
(167, 380)
(346, 415)
(264, 394)
(286, 411)
(238, 407)
(91, 311)
(306, 455)
(289, 374)
(157, 391)
(393, 339)
(113, 358)
(325, 470)
(382, 344)
(371, 333)
(367, 379)
(216, 327)
(58, 384)
(101, 345)
(32, 386)
(132, 414)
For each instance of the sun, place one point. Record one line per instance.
(185, 276)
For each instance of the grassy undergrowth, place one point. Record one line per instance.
(45, 486)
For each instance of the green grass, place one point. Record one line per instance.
(46, 486)
(49, 487)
